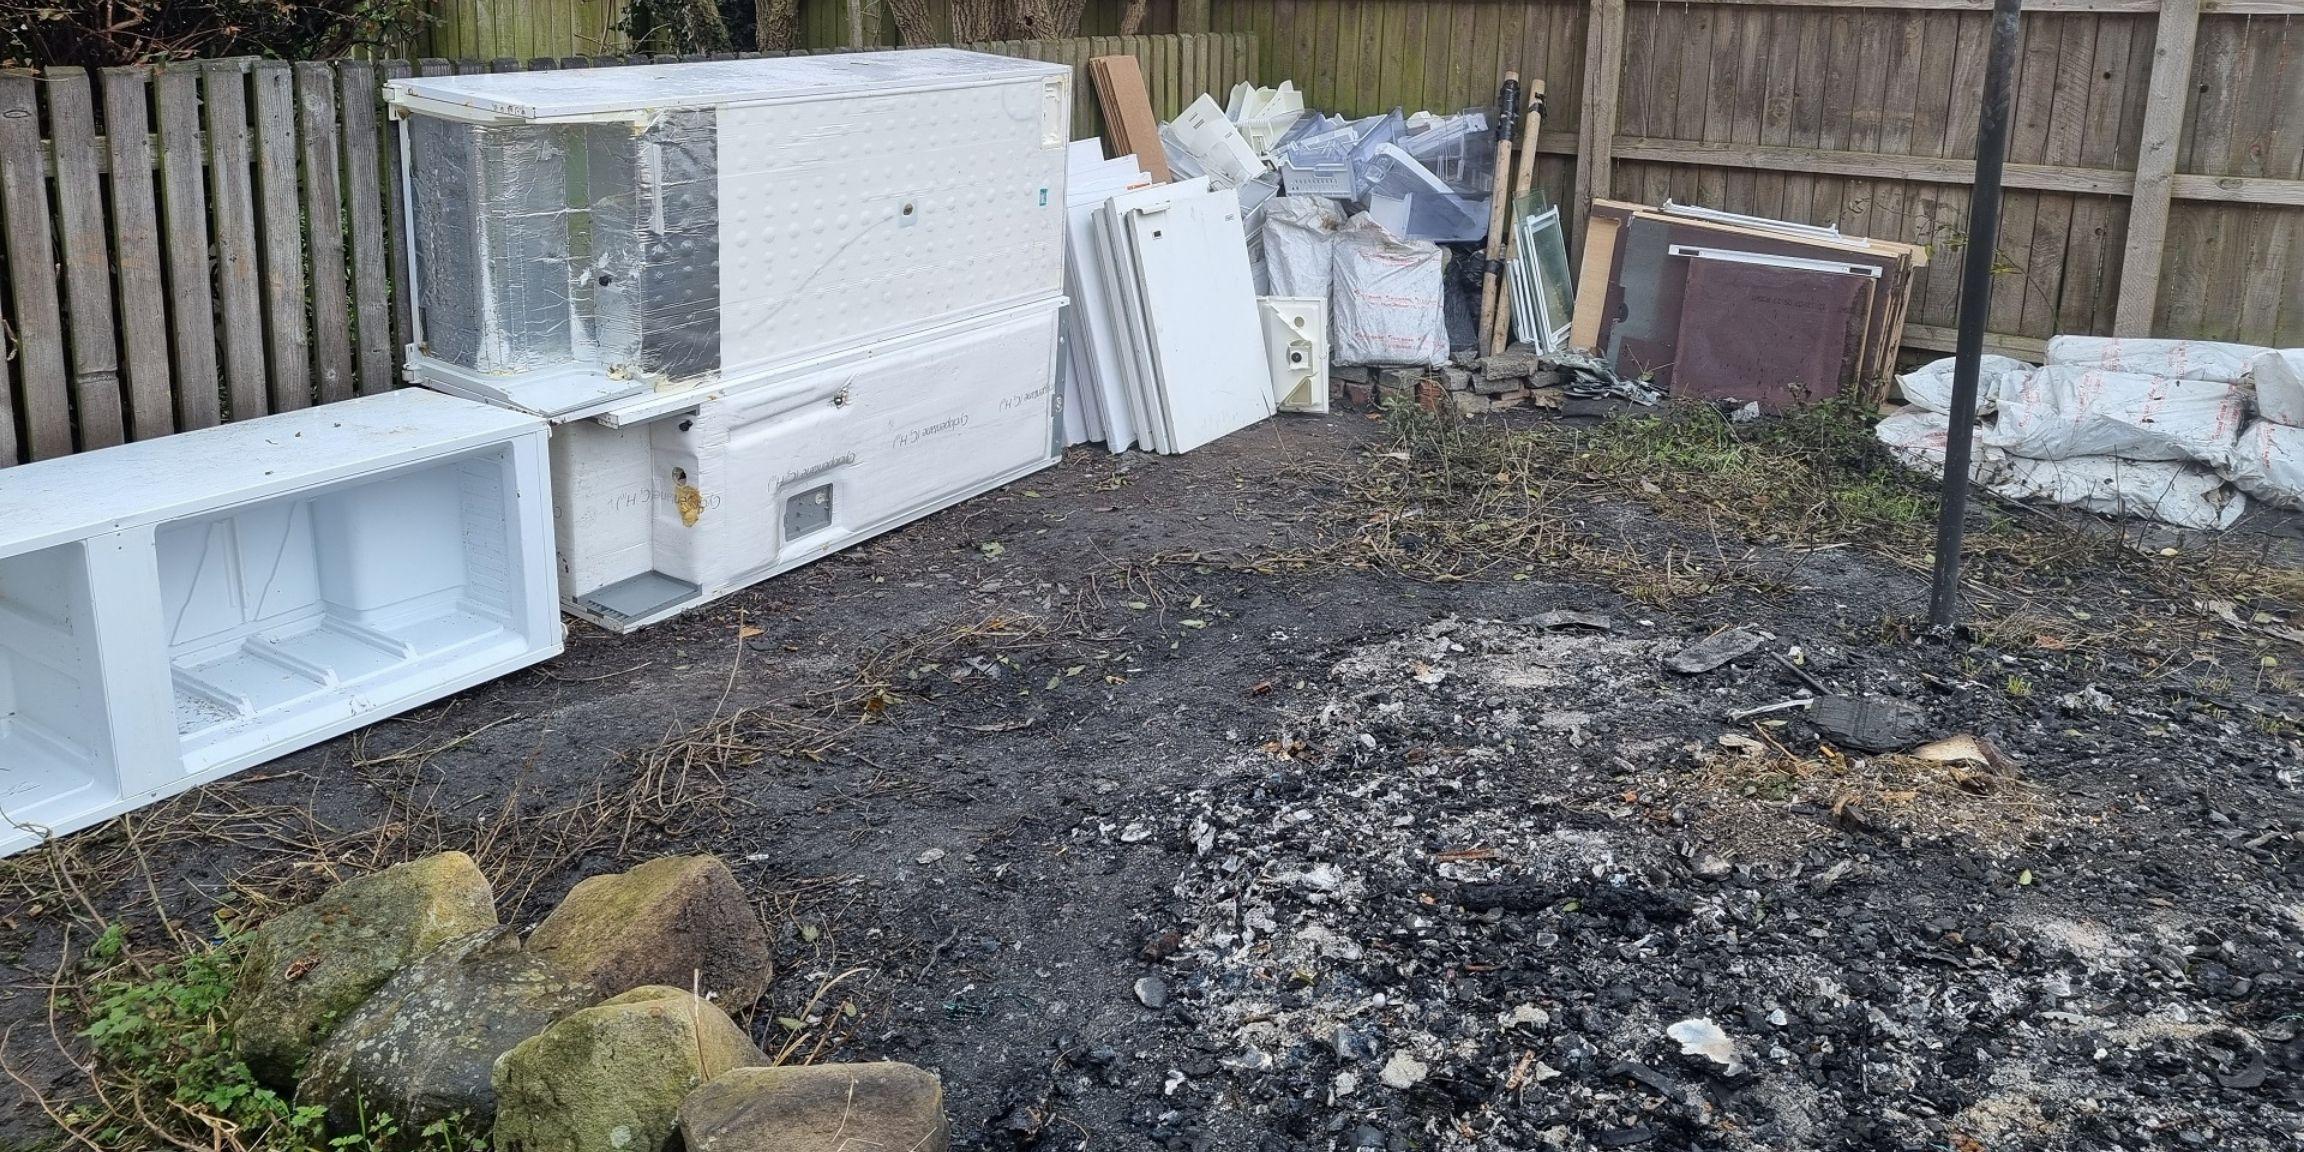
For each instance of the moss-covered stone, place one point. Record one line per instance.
(309, 966)
(424, 1047)
(819, 1108)
(681, 921)
(610, 1078)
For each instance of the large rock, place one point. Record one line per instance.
(424, 1047)
(610, 1078)
(309, 966)
(682, 921)
(820, 1108)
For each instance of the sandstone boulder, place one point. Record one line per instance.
(424, 1047)
(308, 967)
(681, 921)
(820, 1108)
(611, 1077)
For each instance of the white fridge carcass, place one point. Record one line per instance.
(178, 609)
(773, 307)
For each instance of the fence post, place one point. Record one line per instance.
(2164, 102)
(1603, 76)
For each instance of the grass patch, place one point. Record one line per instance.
(1682, 502)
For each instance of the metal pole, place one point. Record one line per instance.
(1975, 303)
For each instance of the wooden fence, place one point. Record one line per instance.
(207, 242)
(2156, 176)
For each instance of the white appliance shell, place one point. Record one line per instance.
(178, 609)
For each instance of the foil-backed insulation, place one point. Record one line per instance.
(492, 230)
(545, 245)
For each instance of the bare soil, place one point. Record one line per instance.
(1137, 804)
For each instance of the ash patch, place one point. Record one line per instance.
(1428, 913)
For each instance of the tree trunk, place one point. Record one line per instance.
(777, 24)
(1132, 17)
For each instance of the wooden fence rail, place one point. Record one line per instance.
(211, 241)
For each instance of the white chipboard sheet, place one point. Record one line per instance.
(661, 515)
(178, 609)
(1200, 316)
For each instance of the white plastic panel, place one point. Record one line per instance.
(843, 223)
(755, 482)
(256, 588)
(1296, 351)
(1200, 316)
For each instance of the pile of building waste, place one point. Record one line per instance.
(2179, 431)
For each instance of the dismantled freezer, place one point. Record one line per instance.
(177, 609)
(774, 306)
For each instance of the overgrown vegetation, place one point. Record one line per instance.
(98, 33)
(1684, 502)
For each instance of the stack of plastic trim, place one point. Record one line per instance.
(779, 306)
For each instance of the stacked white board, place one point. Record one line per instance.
(1095, 406)
(1174, 343)
(178, 609)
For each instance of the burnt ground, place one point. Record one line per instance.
(1150, 813)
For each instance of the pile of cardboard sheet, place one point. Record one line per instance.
(1718, 306)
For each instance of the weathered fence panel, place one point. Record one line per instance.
(216, 240)
(2156, 170)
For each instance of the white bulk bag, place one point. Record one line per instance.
(2279, 380)
(1930, 385)
(1300, 244)
(2186, 359)
(2268, 463)
(1385, 304)
(2063, 411)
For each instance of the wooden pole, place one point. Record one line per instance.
(1500, 332)
(1507, 111)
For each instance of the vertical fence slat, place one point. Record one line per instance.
(136, 255)
(87, 259)
(288, 339)
(396, 223)
(184, 210)
(316, 130)
(2166, 94)
(232, 208)
(38, 322)
(364, 178)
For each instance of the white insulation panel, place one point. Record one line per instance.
(712, 223)
(660, 515)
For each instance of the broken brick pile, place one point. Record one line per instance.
(1514, 378)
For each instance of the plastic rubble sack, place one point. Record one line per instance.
(2064, 410)
(1300, 244)
(1930, 385)
(2279, 379)
(2183, 359)
(2173, 492)
(1386, 303)
(2268, 463)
